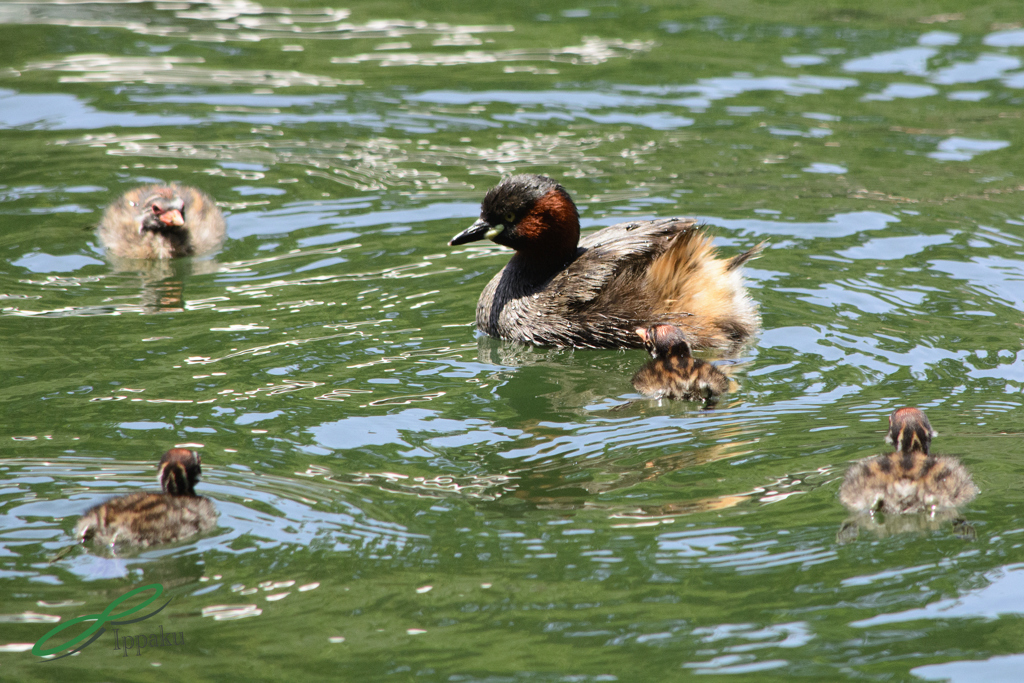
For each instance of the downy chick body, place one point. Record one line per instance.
(672, 372)
(160, 222)
(148, 518)
(911, 479)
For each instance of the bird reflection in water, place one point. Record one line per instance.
(569, 485)
(160, 284)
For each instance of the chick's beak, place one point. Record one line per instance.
(642, 333)
(172, 218)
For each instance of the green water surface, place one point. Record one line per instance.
(402, 500)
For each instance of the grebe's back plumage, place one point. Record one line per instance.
(560, 290)
(909, 480)
(146, 518)
(160, 222)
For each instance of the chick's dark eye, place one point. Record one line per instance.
(157, 210)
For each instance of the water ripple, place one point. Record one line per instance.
(593, 50)
(100, 68)
(235, 20)
(991, 601)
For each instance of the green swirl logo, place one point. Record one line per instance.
(102, 619)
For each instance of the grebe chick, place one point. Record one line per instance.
(144, 519)
(909, 480)
(161, 221)
(559, 290)
(673, 372)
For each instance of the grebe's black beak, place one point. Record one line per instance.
(473, 233)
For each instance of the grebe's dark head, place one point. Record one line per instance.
(529, 213)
